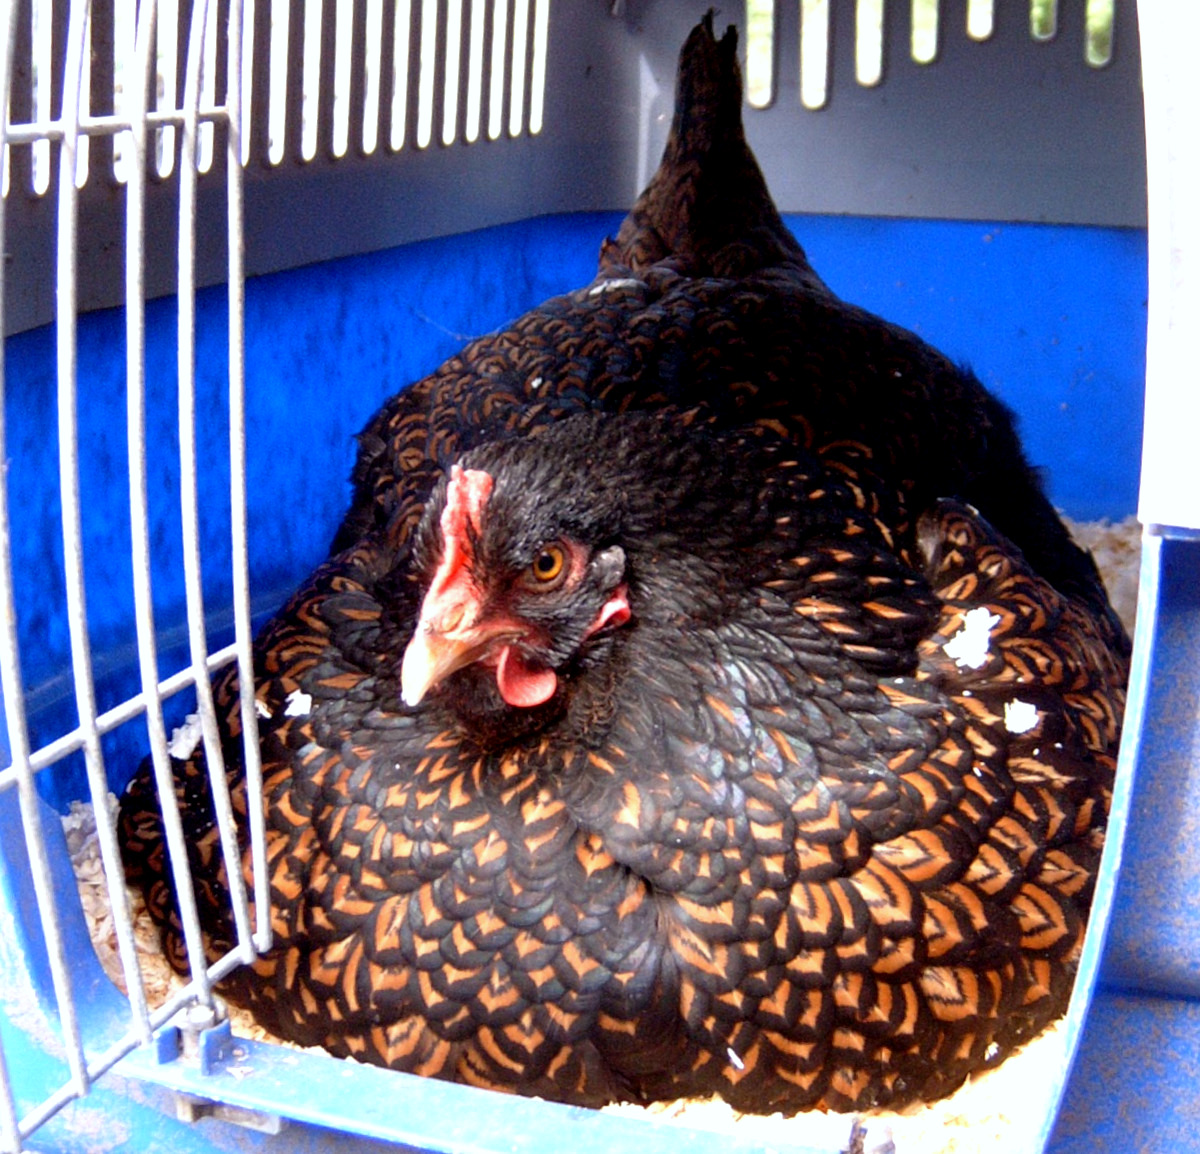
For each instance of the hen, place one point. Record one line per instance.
(669, 719)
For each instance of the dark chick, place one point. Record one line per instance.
(702, 697)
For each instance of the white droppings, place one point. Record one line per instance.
(969, 646)
(734, 1060)
(536, 383)
(614, 285)
(1019, 716)
(262, 709)
(185, 739)
(299, 704)
(991, 1052)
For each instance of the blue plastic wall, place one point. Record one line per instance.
(1051, 318)
(1136, 1081)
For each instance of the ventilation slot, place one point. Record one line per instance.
(870, 38)
(453, 66)
(340, 77)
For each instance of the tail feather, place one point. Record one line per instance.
(708, 204)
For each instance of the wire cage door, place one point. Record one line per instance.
(128, 135)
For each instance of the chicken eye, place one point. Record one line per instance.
(548, 565)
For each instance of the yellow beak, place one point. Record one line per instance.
(433, 654)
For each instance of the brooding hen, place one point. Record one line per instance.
(669, 719)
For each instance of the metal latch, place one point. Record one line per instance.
(201, 1037)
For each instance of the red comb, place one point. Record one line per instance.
(466, 495)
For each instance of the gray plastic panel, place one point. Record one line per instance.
(1004, 129)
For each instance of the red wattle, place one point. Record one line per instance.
(521, 686)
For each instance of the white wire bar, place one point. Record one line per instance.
(190, 511)
(10, 672)
(240, 560)
(71, 518)
(190, 505)
(135, 423)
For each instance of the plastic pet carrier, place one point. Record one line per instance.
(232, 228)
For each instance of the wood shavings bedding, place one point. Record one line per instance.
(980, 1118)
(1117, 549)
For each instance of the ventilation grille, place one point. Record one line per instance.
(870, 29)
(373, 74)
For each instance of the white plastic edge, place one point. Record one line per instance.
(1170, 486)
